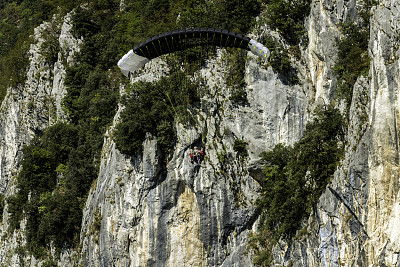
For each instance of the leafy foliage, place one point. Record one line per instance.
(50, 263)
(364, 12)
(57, 171)
(151, 108)
(240, 146)
(18, 19)
(295, 177)
(238, 16)
(235, 61)
(353, 59)
(119, 30)
(280, 61)
(288, 18)
(143, 19)
(51, 46)
(46, 219)
(13, 66)
(60, 164)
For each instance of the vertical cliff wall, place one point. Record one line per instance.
(151, 214)
(26, 111)
(356, 222)
(142, 211)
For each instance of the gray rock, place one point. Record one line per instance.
(154, 213)
(27, 110)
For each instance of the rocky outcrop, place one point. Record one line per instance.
(31, 107)
(356, 222)
(152, 214)
(144, 211)
(27, 110)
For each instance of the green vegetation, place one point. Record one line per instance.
(353, 59)
(96, 225)
(1, 205)
(59, 166)
(295, 178)
(152, 108)
(237, 16)
(18, 19)
(51, 46)
(280, 61)
(13, 66)
(143, 19)
(288, 18)
(52, 207)
(137, 21)
(50, 263)
(365, 9)
(61, 163)
(240, 147)
(235, 61)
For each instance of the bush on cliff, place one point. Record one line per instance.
(295, 178)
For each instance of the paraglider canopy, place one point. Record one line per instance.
(183, 39)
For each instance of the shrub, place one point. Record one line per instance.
(50, 263)
(54, 211)
(235, 60)
(288, 18)
(51, 46)
(38, 177)
(18, 19)
(280, 61)
(353, 59)
(238, 16)
(13, 66)
(240, 147)
(152, 108)
(295, 178)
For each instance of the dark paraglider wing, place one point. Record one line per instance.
(183, 39)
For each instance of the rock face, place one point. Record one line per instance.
(154, 214)
(30, 109)
(356, 222)
(146, 212)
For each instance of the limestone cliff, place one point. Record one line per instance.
(357, 220)
(185, 214)
(142, 212)
(27, 110)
